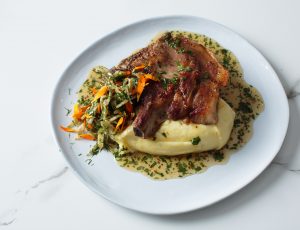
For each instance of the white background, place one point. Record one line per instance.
(38, 39)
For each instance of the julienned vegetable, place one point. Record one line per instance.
(108, 107)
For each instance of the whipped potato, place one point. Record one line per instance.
(175, 137)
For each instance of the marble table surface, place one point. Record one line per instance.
(37, 41)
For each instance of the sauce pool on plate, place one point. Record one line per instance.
(243, 98)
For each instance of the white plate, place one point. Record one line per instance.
(137, 192)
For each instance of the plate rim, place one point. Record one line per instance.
(178, 211)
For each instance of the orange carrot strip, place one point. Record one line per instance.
(87, 125)
(67, 129)
(127, 72)
(142, 83)
(140, 67)
(149, 76)
(84, 108)
(140, 86)
(128, 107)
(94, 90)
(120, 122)
(77, 113)
(87, 137)
(98, 108)
(100, 93)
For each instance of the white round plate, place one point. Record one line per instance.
(137, 192)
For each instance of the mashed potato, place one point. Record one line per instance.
(175, 137)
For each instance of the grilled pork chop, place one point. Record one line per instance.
(190, 78)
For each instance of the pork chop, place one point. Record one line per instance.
(189, 81)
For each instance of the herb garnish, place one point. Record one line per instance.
(244, 107)
(181, 68)
(173, 43)
(195, 140)
(68, 111)
(165, 82)
(218, 156)
(182, 167)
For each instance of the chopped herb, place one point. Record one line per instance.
(68, 111)
(165, 82)
(182, 167)
(181, 68)
(196, 140)
(89, 161)
(226, 62)
(153, 164)
(174, 80)
(95, 150)
(173, 43)
(198, 168)
(218, 155)
(161, 73)
(134, 81)
(244, 107)
(181, 50)
(189, 52)
(247, 92)
(224, 51)
(159, 173)
(163, 159)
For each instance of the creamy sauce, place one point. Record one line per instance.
(242, 97)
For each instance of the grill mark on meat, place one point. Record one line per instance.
(193, 98)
